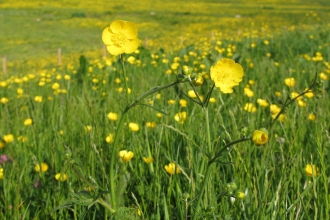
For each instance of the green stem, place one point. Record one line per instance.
(148, 93)
(201, 193)
(217, 155)
(124, 72)
(112, 162)
(208, 133)
(105, 205)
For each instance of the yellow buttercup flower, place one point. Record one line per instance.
(61, 177)
(110, 138)
(4, 100)
(112, 116)
(180, 117)
(2, 176)
(8, 138)
(301, 103)
(151, 124)
(172, 168)
(28, 122)
(55, 86)
(121, 37)
(88, 128)
(260, 137)
(226, 74)
(309, 94)
(250, 107)
(38, 99)
(294, 95)
(262, 102)
(290, 82)
(311, 170)
(248, 92)
(192, 94)
(183, 103)
(171, 101)
(311, 117)
(148, 160)
(274, 109)
(323, 76)
(212, 100)
(126, 155)
(43, 167)
(133, 126)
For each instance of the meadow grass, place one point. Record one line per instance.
(71, 131)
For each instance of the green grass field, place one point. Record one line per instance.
(60, 146)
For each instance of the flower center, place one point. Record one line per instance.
(118, 40)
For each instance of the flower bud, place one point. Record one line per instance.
(199, 80)
(186, 70)
(240, 195)
(260, 137)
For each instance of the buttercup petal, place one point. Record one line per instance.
(106, 36)
(132, 45)
(117, 26)
(114, 50)
(130, 30)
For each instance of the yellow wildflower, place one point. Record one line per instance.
(61, 177)
(121, 37)
(171, 102)
(38, 98)
(309, 94)
(112, 116)
(148, 160)
(28, 122)
(183, 103)
(126, 155)
(110, 138)
(8, 138)
(181, 117)
(312, 117)
(151, 124)
(323, 76)
(248, 92)
(212, 100)
(290, 82)
(262, 102)
(294, 95)
(312, 170)
(43, 167)
(88, 128)
(240, 195)
(55, 86)
(226, 74)
(171, 168)
(250, 107)
(301, 103)
(274, 109)
(192, 94)
(2, 176)
(259, 137)
(133, 126)
(4, 100)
